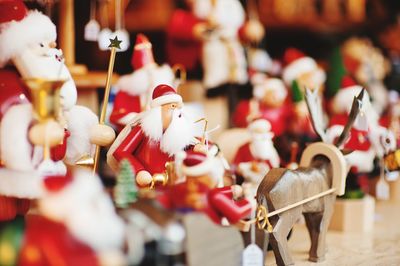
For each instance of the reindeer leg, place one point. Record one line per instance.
(313, 222)
(326, 218)
(278, 237)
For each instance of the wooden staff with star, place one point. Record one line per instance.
(114, 45)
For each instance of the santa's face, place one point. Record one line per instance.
(312, 80)
(167, 112)
(180, 131)
(42, 60)
(168, 125)
(273, 99)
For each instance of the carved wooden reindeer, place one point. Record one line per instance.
(310, 190)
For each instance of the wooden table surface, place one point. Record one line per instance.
(380, 247)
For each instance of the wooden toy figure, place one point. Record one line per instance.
(158, 135)
(34, 56)
(199, 192)
(254, 159)
(210, 33)
(269, 102)
(134, 90)
(300, 72)
(368, 71)
(311, 189)
(368, 139)
(76, 224)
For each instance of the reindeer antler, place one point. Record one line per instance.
(355, 110)
(314, 106)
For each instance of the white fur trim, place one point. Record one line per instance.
(15, 148)
(200, 169)
(171, 98)
(134, 84)
(127, 119)
(79, 122)
(15, 36)
(20, 184)
(298, 67)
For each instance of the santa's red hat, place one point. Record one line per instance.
(142, 52)
(20, 28)
(12, 91)
(164, 94)
(296, 63)
(197, 164)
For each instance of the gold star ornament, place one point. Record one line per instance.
(115, 43)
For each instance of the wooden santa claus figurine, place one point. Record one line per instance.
(369, 67)
(199, 192)
(27, 39)
(34, 56)
(210, 33)
(301, 71)
(255, 158)
(158, 135)
(269, 102)
(368, 139)
(76, 225)
(134, 91)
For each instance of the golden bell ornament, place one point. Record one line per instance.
(45, 97)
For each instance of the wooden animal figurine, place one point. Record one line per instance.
(310, 190)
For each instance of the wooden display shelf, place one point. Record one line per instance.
(88, 84)
(92, 80)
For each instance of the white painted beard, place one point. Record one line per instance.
(100, 227)
(261, 149)
(179, 134)
(87, 212)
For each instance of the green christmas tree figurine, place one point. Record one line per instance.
(125, 191)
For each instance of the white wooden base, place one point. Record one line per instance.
(353, 215)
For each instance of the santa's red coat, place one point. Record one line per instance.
(358, 139)
(124, 104)
(142, 152)
(244, 155)
(49, 243)
(217, 203)
(278, 117)
(182, 46)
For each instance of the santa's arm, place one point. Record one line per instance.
(127, 147)
(181, 26)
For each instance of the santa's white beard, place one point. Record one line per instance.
(35, 64)
(262, 148)
(100, 228)
(87, 212)
(179, 134)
